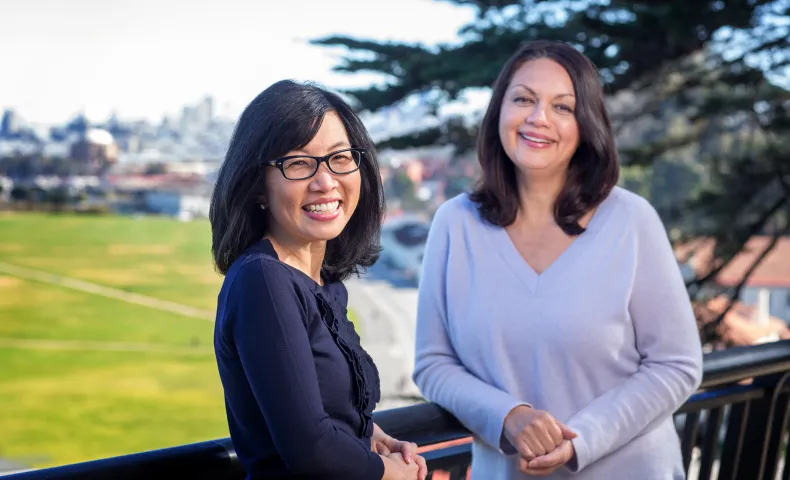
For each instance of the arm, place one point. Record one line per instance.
(272, 343)
(438, 373)
(668, 341)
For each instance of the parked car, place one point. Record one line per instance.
(403, 244)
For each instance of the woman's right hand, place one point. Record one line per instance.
(534, 432)
(396, 468)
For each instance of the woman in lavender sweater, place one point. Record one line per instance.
(553, 320)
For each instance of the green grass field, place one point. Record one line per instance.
(83, 376)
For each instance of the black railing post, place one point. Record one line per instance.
(759, 433)
(778, 427)
(733, 442)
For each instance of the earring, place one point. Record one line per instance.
(263, 207)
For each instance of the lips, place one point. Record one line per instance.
(536, 138)
(325, 207)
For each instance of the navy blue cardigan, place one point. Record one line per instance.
(299, 389)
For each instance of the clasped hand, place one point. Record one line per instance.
(404, 454)
(543, 443)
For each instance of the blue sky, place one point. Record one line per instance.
(147, 58)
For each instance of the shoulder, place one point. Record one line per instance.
(456, 212)
(634, 209)
(258, 273)
(641, 220)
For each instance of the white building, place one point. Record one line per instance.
(184, 203)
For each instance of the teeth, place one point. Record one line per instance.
(323, 207)
(533, 139)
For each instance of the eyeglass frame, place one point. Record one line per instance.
(318, 161)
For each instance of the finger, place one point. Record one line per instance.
(411, 451)
(555, 432)
(408, 450)
(423, 472)
(538, 472)
(382, 449)
(567, 433)
(536, 445)
(546, 440)
(549, 460)
(525, 451)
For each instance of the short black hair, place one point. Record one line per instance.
(285, 117)
(594, 168)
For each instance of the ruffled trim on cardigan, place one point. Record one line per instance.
(347, 340)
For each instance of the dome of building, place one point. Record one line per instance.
(99, 136)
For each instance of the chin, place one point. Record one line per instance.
(326, 233)
(533, 164)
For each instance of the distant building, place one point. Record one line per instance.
(185, 203)
(94, 151)
(767, 288)
(10, 124)
(6, 185)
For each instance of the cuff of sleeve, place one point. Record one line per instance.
(375, 467)
(581, 455)
(495, 434)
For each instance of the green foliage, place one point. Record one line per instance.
(695, 87)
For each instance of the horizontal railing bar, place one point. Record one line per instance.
(718, 398)
(448, 457)
(740, 363)
(424, 424)
(213, 459)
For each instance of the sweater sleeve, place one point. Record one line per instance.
(438, 373)
(667, 340)
(274, 348)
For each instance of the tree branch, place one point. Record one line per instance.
(756, 227)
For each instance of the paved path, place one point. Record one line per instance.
(8, 468)
(109, 292)
(388, 318)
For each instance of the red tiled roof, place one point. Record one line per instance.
(773, 271)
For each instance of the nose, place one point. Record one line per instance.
(537, 116)
(324, 180)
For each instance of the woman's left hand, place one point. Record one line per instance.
(383, 444)
(547, 464)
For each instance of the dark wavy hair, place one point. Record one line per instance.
(285, 117)
(594, 167)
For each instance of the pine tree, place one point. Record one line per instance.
(698, 94)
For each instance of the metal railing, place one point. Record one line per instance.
(733, 428)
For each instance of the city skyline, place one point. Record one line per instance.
(146, 60)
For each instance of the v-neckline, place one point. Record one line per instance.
(524, 271)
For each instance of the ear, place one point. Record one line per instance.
(261, 200)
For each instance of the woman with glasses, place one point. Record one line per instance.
(297, 208)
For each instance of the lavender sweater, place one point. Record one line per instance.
(604, 339)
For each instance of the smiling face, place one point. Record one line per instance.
(318, 208)
(537, 124)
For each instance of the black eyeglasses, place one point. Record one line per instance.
(301, 167)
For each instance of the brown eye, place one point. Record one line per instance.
(565, 108)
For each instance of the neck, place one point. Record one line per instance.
(305, 257)
(538, 193)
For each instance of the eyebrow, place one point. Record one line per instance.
(341, 143)
(535, 94)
